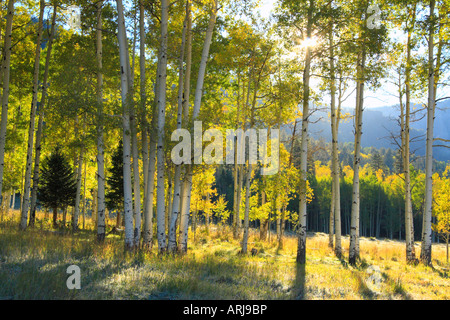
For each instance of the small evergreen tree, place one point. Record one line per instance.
(376, 161)
(114, 187)
(58, 184)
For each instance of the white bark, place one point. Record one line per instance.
(172, 245)
(37, 156)
(197, 103)
(26, 191)
(425, 254)
(143, 94)
(5, 92)
(161, 107)
(335, 214)
(149, 192)
(302, 215)
(76, 212)
(236, 191)
(101, 221)
(125, 86)
(409, 225)
(136, 180)
(247, 208)
(355, 212)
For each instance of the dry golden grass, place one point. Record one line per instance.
(33, 266)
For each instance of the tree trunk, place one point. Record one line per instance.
(76, 212)
(247, 207)
(55, 217)
(161, 107)
(237, 185)
(5, 73)
(26, 191)
(64, 220)
(185, 210)
(355, 213)
(409, 225)
(172, 243)
(136, 180)
(84, 197)
(207, 213)
(37, 156)
(101, 221)
(264, 223)
(196, 110)
(425, 254)
(302, 216)
(126, 103)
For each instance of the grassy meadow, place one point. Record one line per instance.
(33, 265)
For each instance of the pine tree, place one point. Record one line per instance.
(376, 161)
(58, 188)
(114, 188)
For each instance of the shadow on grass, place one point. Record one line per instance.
(442, 273)
(33, 265)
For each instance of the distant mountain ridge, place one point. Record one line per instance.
(381, 122)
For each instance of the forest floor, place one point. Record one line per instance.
(33, 265)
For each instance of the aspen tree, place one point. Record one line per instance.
(172, 245)
(125, 94)
(27, 184)
(101, 223)
(5, 72)
(187, 183)
(425, 252)
(41, 122)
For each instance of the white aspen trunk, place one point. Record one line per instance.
(236, 191)
(331, 217)
(149, 192)
(5, 70)
(185, 209)
(125, 86)
(336, 191)
(355, 212)
(134, 146)
(301, 250)
(333, 139)
(169, 198)
(143, 95)
(101, 220)
(239, 197)
(425, 254)
(183, 222)
(172, 243)
(136, 180)
(241, 145)
(249, 164)
(13, 205)
(26, 191)
(161, 107)
(187, 74)
(409, 225)
(84, 197)
(247, 209)
(197, 103)
(148, 204)
(37, 148)
(76, 212)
